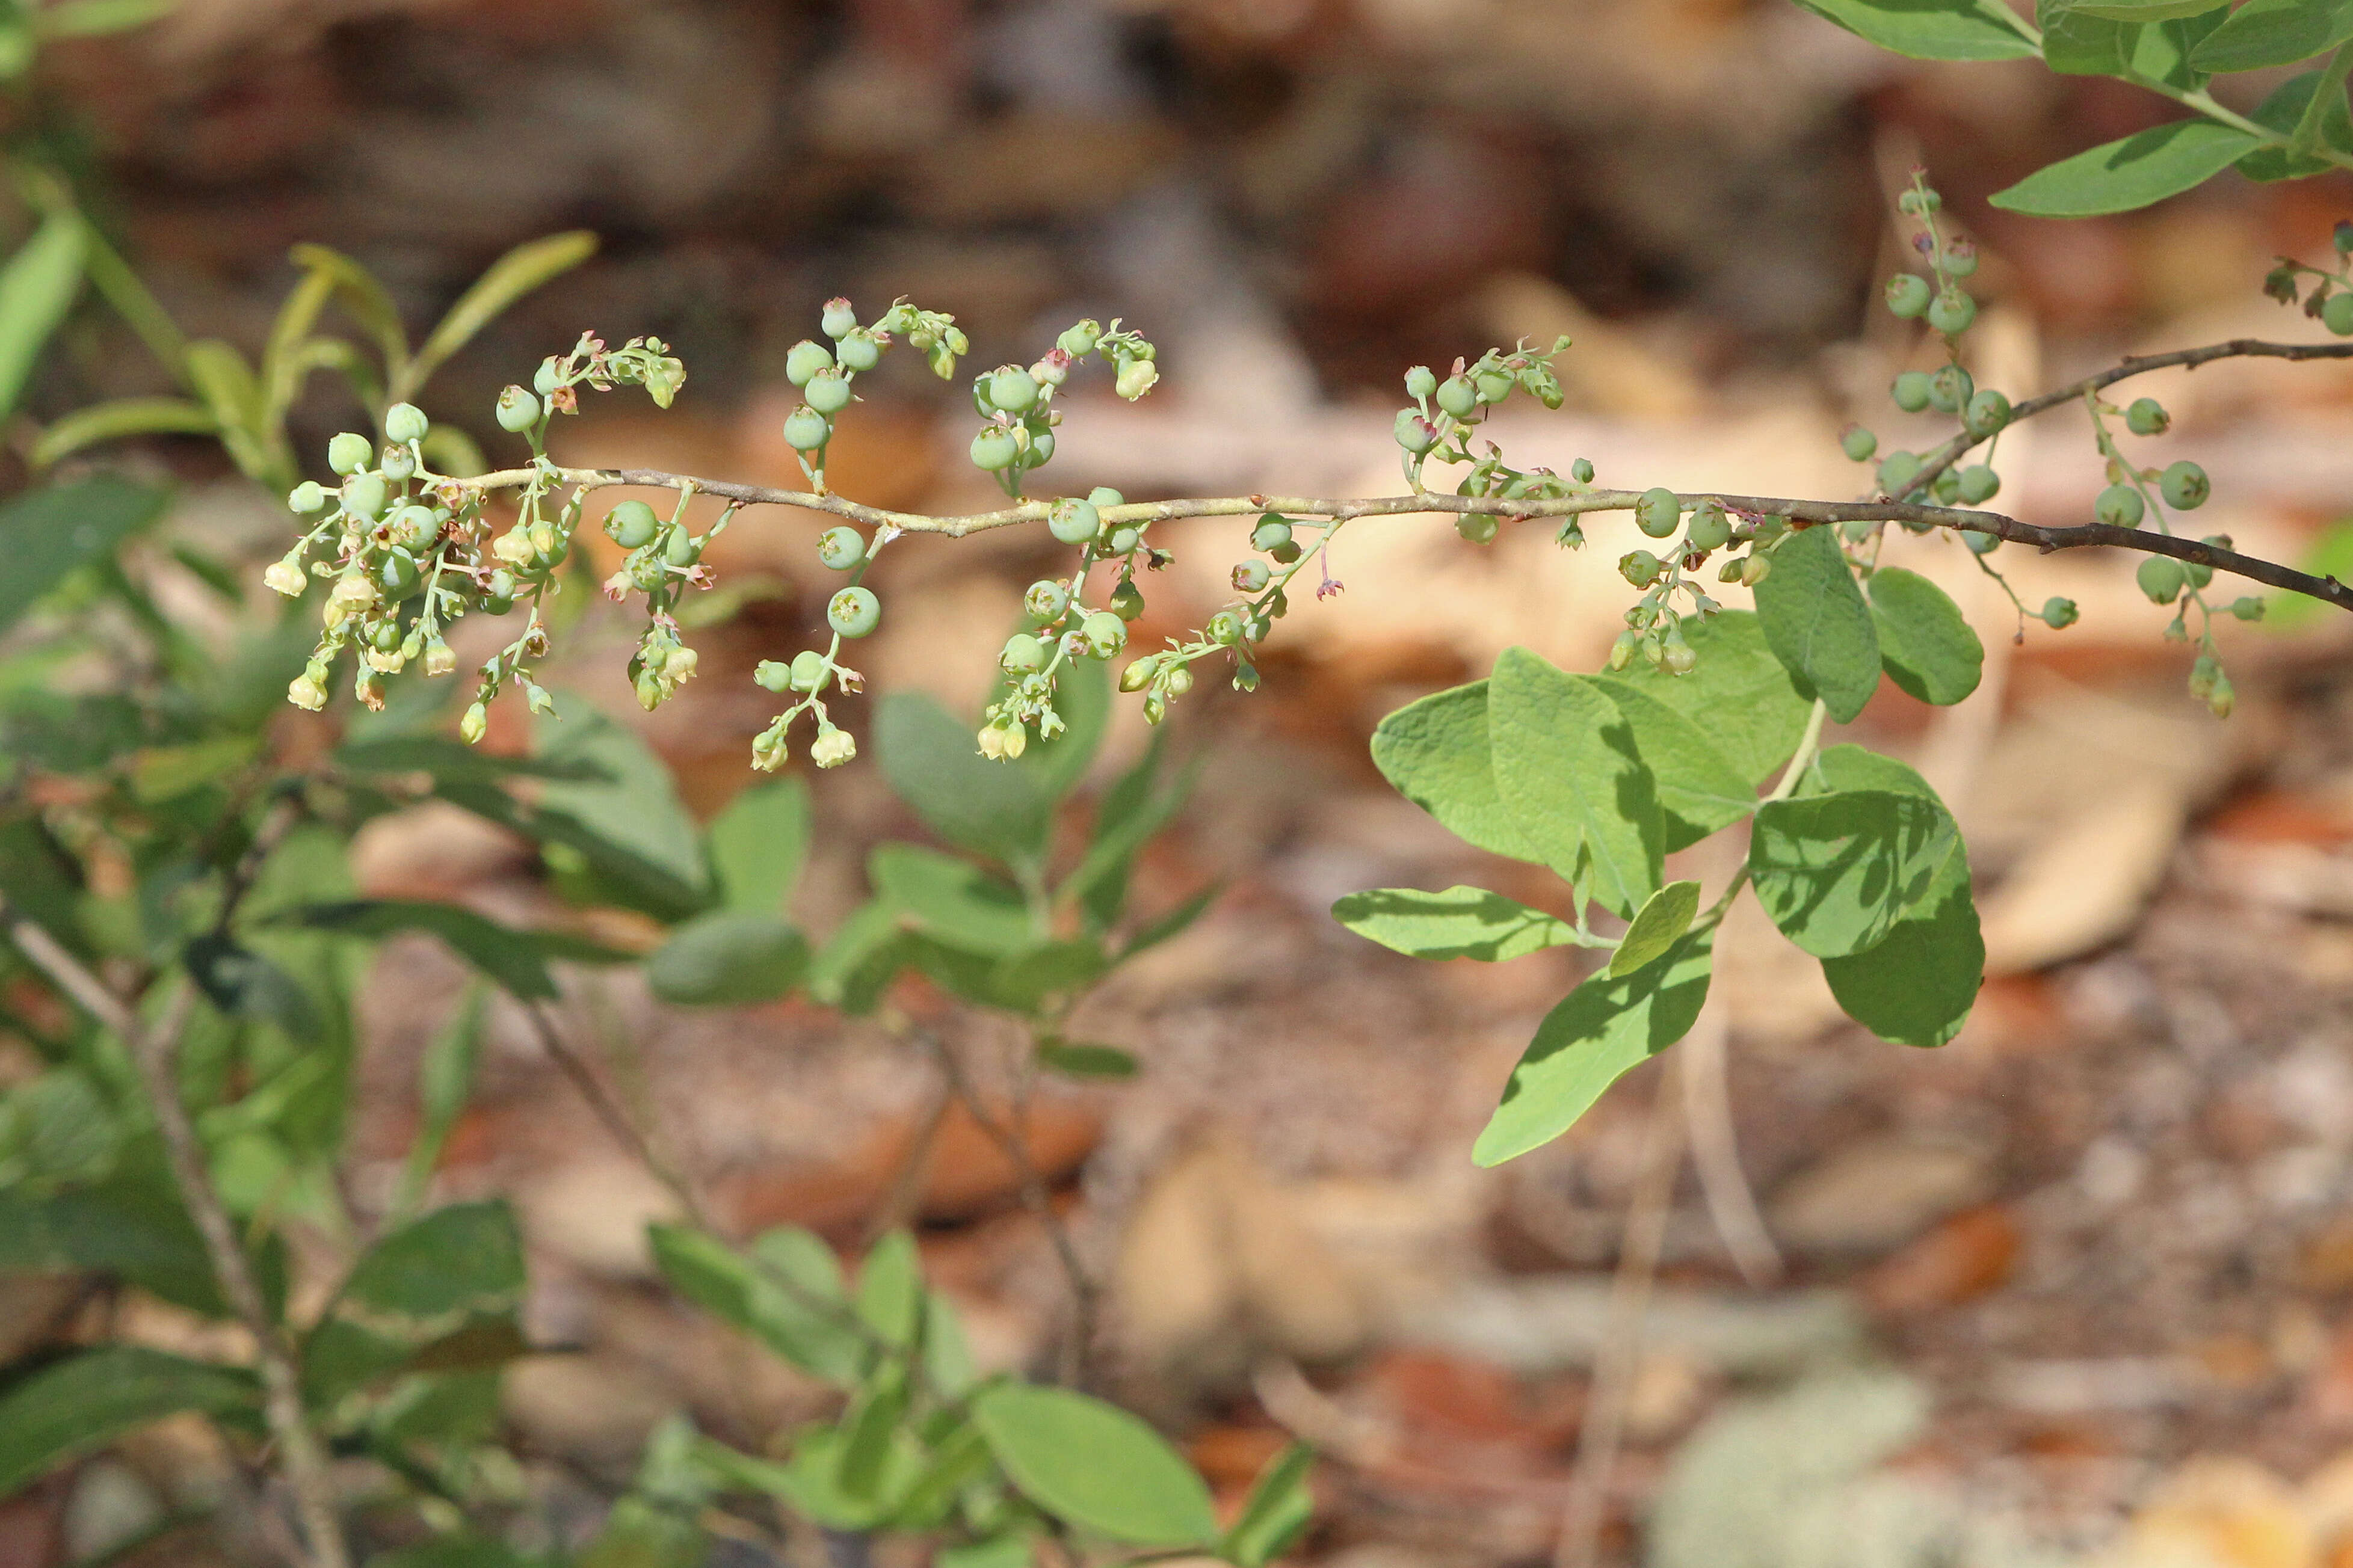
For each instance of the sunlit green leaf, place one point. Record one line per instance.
(1095, 1465)
(1567, 768)
(2130, 173)
(1656, 927)
(1815, 621)
(1436, 753)
(1837, 871)
(1461, 923)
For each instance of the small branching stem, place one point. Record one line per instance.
(1800, 513)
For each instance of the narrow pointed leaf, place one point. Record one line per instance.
(1095, 1465)
(1657, 926)
(1461, 923)
(1816, 624)
(2129, 172)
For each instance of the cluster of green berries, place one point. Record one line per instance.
(1444, 413)
(2331, 301)
(1058, 626)
(1653, 627)
(823, 375)
(1018, 403)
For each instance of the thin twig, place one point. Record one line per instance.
(154, 1051)
(1620, 1358)
(1715, 1151)
(1035, 1197)
(1804, 514)
(615, 1117)
(906, 1196)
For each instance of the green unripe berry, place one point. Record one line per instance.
(1225, 629)
(680, 548)
(808, 670)
(2161, 578)
(349, 452)
(1494, 386)
(1045, 601)
(805, 429)
(1581, 470)
(646, 572)
(1917, 202)
(1658, 513)
(804, 360)
(2120, 506)
(1912, 391)
(2185, 486)
(398, 577)
(1477, 527)
(2248, 609)
(994, 450)
(1127, 601)
(1960, 258)
(1022, 653)
(1103, 633)
(397, 463)
(1414, 433)
(1013, 390)
(839, 320)
(1988, 412)
(2058, 613)
(770, 675)
(2146, 416)
(500, 584)
(859, 351)
(1123, 540)
(1952, 313)
(1072, 521)
(1041, 448)
(1976, 485)
(842, 548)
(547, 377)
(1103, 495)
(1896, 472)
(413, 527)
(631, 524)
(404, 423)
(1858, 443)
(2336, 314)
(308, 497)
(828, 391)
(1979, 542)
(1640, 567)
(1458, 396)
(1947, 487)
(1950, 388)
(363, 496)
(1908, 294)
(1079, 340)
(1709, 528)
(854, 611)
(1249, 576)
(517, 410)
(1420, 382)
(1177, 681)
(1272, 534)
(2204, 671)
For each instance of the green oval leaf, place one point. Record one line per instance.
(1738, 694)
(1567, 768)
(1929, 29)
(1926, 647)
(1817, 624)
(1461, 923)
(1699, 790)
(1657, 926)
(933, 764)
(1837, 871)
(2264, 33)
(953, 901)
(37, 287)
(758, 843)
(1598, 1032)
(67, 1410)
(1916, 987)
(728, 958)
(1095, 1465)
(1436, 753)
(2128, 174)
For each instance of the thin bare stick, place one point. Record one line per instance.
(615, 1117)
(899, 1204)
(154, 1050)
(1035, 1197)
(1620, 1356)
(1716, 1150)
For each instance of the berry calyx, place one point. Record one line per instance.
(1251, 576)
(1989, 411)
(1952, 311)
(2161, 578)
(1414, 433)
(1045, 601)
(2146, 416)
(842, 548)
(2058, 613)
(1103, 633)
(839, 319)
(1950, 388)
(2120, 506)
(2185, 486)
(854, 611)
(517, 410)
(1071, 519)
(1908, 294)
(805, 429)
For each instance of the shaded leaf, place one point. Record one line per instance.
(1435, 753)
(77, 1405)
(120, 419)
(860, 959)
(1095, 1465)
(1278, 1509)
(891, 1289)
(48, 534)
(758, 845)
(1817, 624)
(1925, 644)
(1699, 790)
(2265, 32)
(933, 764)
(1837, 871)
(788, 1294)
(1085, 1059)
(953, 901)
(1917, 986)
(1598, 1033)
(1567, 768)
(1461, 923)
(37, 287)
(1739, 695)
(728, 958)
(467, 1258)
